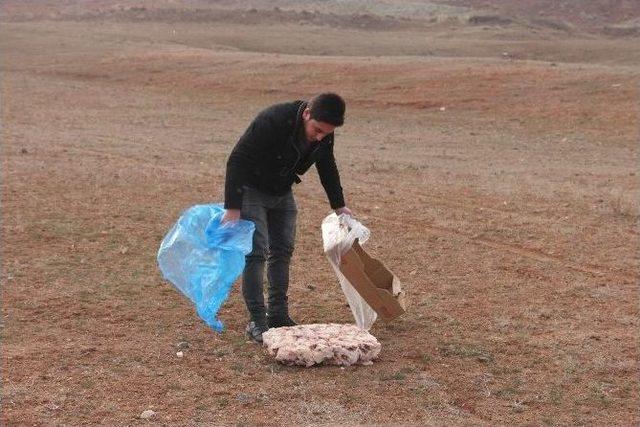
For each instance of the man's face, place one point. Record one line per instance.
(313, 129)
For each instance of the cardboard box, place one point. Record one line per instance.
(375, 284)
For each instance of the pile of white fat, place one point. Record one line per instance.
(331, 343)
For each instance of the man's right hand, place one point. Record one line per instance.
(231, 215)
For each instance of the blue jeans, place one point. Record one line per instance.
(273, 242)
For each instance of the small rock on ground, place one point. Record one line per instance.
(148, 414)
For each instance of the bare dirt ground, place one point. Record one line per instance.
(494, 160)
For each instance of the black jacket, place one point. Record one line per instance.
(267, 157)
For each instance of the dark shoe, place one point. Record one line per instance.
(277, 321)
(254, 332)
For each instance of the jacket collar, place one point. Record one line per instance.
(298, 128)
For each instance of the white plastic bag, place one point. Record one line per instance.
(338, 235)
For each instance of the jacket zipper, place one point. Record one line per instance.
(292, 141)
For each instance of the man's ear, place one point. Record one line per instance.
(306, 114)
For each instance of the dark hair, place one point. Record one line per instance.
(327, 107)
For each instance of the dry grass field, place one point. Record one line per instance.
(491, 150)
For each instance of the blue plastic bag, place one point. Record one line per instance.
(203, 257)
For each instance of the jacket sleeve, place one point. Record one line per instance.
(245, 157)
(330, 178)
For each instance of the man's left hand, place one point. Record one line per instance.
(343, 210)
